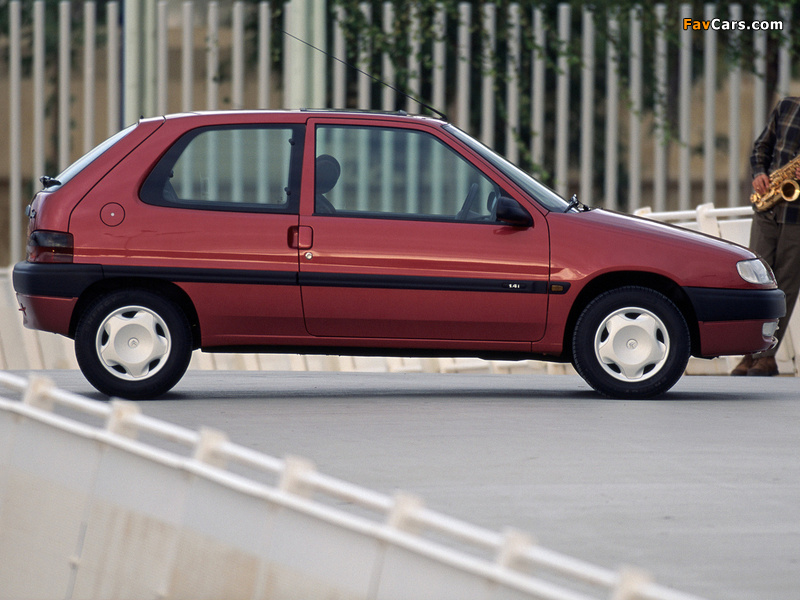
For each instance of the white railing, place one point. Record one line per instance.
(732, 224)
(225, 34)
(64, 460)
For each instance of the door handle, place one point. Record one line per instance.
(301, 237)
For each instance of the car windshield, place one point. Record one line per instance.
(539, 192)
(84, 161)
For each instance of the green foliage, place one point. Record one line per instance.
(734, 47)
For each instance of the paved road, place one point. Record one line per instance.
(702, 489)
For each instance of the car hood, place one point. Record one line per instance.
(597, 241)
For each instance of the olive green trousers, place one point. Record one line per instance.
(778, 243)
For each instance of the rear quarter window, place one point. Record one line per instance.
(238, 168)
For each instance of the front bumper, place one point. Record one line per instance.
(713, 304)
(732, 321)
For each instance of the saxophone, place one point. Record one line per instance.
(783, 185)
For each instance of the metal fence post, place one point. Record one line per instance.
(139, 59)
(305, 69)
(15, 142)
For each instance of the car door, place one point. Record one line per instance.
(225, 198)
(401, 241)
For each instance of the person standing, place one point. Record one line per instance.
(775, 232)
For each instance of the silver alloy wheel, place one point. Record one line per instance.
(632, 344)
(133, 343)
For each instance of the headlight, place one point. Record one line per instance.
(756, 271)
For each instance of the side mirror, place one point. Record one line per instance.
(511, 212)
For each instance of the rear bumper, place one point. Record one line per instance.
(46, 313)
(54, 280)
(47, 293)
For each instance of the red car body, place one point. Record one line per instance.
(511, 278)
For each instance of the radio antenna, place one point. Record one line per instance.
(438, 113)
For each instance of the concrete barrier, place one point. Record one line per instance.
(98, 500)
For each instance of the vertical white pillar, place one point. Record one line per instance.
(112, 64)
(89, 74)
(735, 120)
(339, 68)
(365, 56)
(635, 117)
(387, 68)
(660, 169)
(414, 62)
(612, 116)
(512, 89)
(212, 57)
(187, 57)
(760, 76)
(237, 92)
(264, 55)
(587, 106)
(709, 112)
(38, 91)
(562, 102)
(15, 132)
(488, 26)
(439, 59)
(463, 69)
(64, 81)
(305, 69)
(684, 112)
(162, 60)
(149, 58)
(139, 59)
(537, 83)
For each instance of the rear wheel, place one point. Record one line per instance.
(133, 344)
(631, 342)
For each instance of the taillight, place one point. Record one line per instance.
(50, 247)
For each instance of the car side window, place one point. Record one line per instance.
(227, 168)
(386, 172)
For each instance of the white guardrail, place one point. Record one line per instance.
(98, 500)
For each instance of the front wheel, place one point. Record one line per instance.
(631, 342)
(133, 344)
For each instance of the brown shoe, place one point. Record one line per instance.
(763, 367)
(744, 366)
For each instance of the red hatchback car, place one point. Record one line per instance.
(360, 233)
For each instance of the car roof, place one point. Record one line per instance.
(290, 116)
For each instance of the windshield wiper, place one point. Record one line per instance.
(48, 181)
(572, 203)
(575, 203)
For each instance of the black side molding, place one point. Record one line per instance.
(70, 280)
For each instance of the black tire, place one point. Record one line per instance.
(631, 342)
(133, 344)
